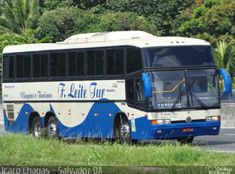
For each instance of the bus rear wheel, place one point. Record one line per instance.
(185, 140)
(52, 130)
(123, 131)
(37, 127)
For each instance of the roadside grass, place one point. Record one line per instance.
(22, 150)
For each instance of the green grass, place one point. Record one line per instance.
(21, 150)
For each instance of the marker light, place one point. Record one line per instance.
(213, 118)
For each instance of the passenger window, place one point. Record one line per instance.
(115, 62)
(76, 63)
(23, 66)
(8, 67)
(134, 60)
(40, 65)
(95, 62)
(19, 66)
(57, 64)
(11, 67)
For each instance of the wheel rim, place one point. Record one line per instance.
(52, 130)
(37, 129)
(125, 131)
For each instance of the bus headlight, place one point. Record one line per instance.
(213, 118)
(161, 121)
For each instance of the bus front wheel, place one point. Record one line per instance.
(123, 130)
(185, 140)
(52, 130)
(36, 127)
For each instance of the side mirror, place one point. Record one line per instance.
(227, 81)
(147, 84)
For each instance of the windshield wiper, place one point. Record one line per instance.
(199, 101)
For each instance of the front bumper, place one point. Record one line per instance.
(172, 131)
(146, 131)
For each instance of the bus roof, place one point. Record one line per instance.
(106, 39)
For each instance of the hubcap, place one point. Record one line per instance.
(125, 131)
(52, 129)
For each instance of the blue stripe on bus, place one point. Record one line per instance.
(102, 126)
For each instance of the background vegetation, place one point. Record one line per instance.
(33, 21)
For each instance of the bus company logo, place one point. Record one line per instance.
(188, 119)
(79, 91)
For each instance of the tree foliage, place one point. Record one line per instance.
(162, 12)
(225, 56)
(211, 21)
(61, 23)
(18, 15)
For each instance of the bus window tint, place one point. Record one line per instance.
(134, 62)
(57, 64)
(76, 63)
(27, 66)
(80, 63)
(44, 65)
(8, 64)
(99, 62)
(19, 66)
(115, 62)
(40, 65)
(23, 66)
(130, 91)
(95, 62)
(90, 63)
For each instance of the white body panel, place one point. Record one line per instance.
(65, 90)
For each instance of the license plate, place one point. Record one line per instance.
(187, 130)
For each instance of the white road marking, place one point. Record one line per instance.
(230, 134)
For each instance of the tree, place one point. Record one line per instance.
(161, 12)
(212, 21)
(61, 23)
(225, 57)
(18, 15)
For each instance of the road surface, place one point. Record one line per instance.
(224, 142)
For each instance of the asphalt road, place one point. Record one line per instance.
(224, 142)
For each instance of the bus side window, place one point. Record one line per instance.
(130, 91)
(23, 66)
(76, 63)
(115, 62)
(95, 62)
(57, 64)
(40, 65)
(134, 60)
(19, 66)
(99, 62)
(8, 67)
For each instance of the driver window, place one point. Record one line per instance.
(140, 91)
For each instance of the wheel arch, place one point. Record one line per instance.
(47, 116)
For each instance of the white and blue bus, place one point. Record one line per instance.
(126, 85)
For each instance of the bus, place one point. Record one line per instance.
(123, 85)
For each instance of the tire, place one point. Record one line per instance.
(185, 140)
(52, 129)
(37, 130)
(123, 131)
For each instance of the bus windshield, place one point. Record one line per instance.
(184, 89)
(178, 56)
